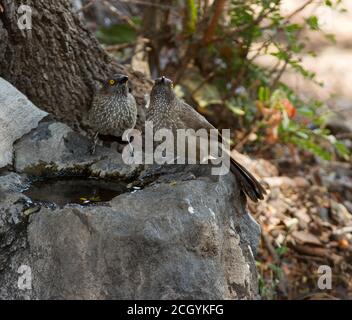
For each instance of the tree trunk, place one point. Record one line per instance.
(57, 62)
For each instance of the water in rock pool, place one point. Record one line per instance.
(61, 191)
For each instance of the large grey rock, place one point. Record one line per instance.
(185, 240)
(54, 148)
(183, 235)
(13, 238)
(17, 117)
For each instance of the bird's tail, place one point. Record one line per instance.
(250, 185)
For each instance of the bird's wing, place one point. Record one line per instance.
(250, 185)
(191, 118)
(147, 101)
(131, 100)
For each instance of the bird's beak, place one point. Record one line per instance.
(124, 79)
(163, 80)
(160, 80)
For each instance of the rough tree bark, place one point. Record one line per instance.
(56, 64)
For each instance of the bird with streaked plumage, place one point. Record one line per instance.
(167, 111)
(114, 109)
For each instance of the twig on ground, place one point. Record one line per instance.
(270, 247)
(118, 47)
(239, 146)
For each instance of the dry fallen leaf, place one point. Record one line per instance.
(305, 238)
(31, 210)
(289, 107)
(343, 244)
(312, 251)
(302, 215)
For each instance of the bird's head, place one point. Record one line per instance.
(117, 84)
(163, 90)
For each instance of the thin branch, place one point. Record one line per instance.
(299, 9)
(188, 56)
(264, 45)
(281, 72)
(118, 47)
(290, 16)
(210, 76)
(210, 31)
(235, 32)
(86, 6)
(119, 14)
(150, 4)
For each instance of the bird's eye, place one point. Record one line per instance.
(111, 82)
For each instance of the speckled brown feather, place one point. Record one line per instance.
(113, 111)
(167, 111)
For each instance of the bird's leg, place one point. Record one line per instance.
(95, 141)
(130, 145)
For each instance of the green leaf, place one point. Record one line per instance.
(281, 250)
(281, 55)
(192, 16)
(235, 109)
(115, 34)
(331, 37)
(342, 150)
(264, 94)
(313, 22)
(293, 27)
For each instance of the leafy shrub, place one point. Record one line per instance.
(212, 53)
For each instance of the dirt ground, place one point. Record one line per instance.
(306, 224)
